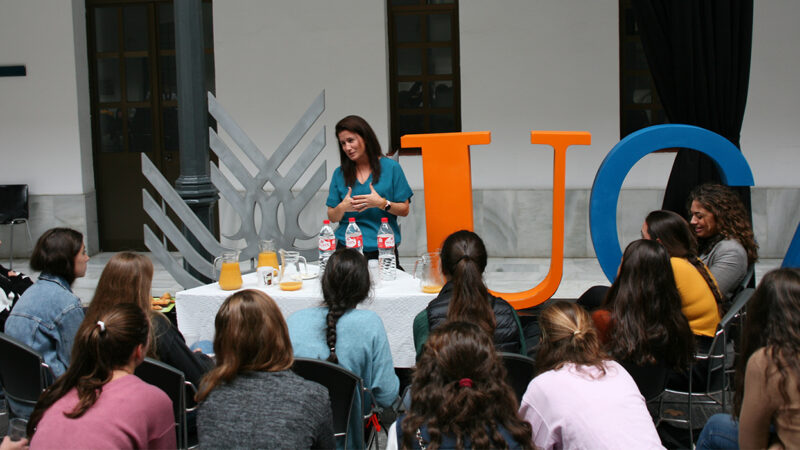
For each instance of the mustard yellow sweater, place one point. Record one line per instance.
(697, 299)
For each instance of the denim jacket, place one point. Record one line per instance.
(46, 318)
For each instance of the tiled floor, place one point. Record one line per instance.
(502, 274)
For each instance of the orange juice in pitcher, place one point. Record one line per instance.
(266, 254)
(230, 276)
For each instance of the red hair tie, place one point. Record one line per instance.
(465, 382)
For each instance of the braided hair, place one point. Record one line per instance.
(674, 233)
(345, 284)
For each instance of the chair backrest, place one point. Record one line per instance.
(519, 372)
(23, 373)
(344, 388)
(173, 383)
(739, 302)
(13, 202)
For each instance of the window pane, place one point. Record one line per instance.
(170, 116)
(108, 88)
(137, 78)
(634, 58)
(140, 130)
(110, 130)
(166, 27)
(411, 124)
(438, 27)
(443, 123)
(105, 29)
(439, 2)
(169, 83)
(635, 120)
(441, 93)
(409, 61)
(404, 2)
(135, 20)
(409, 94)
(407, 28)
(440, 61)
(637, 90)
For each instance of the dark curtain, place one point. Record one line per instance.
(699, 55)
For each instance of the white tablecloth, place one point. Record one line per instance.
(396, 302)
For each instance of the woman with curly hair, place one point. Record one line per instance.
(340, 333)
(724, 233)
(459, 397)
(767, 396)
(641, 322)
(252, 399)
(580, 398)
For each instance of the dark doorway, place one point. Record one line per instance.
(134, 108)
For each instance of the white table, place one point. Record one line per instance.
(396, 302)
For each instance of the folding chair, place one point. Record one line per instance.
(14, 211)
(519, 372)
(173, 383)
(717, 384)
(23, 376)
(346, 391)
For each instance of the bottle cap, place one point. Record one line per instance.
(352, 219)
(326, 221)
(384, 220)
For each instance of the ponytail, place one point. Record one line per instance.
(100, 347)
(470, 302)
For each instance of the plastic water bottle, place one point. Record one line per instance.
(386, 258)
(352, 236)
(327, 244)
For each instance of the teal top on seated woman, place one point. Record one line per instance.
(392, 185)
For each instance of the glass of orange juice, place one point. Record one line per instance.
(230, 276)
(266, 254)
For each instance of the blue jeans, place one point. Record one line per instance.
(720, 432)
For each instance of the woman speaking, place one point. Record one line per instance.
(366, 186)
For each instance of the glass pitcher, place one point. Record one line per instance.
(290, 277)
(266, 254)
(429, 266)
(230, 276)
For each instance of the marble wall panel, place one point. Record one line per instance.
(783, 216)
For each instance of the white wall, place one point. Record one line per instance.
(44, 115)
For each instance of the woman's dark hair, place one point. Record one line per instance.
(345, 284)
(126, 278)
(647, 324)
(463, 263)
(730, 216)
(568, 336)
(443, 400)
(95, 355)
(372, 147)
(673, 232)
(55, 253)
(249, 335)
(773, 322)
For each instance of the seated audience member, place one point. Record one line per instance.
(726, 242)
(12, 285)
(459, 397)
(340, 333)
(465, 297)
(127, 278)
(48, 314)
(99, 402)
(767, 397)
(580, 398)
(641, 322)
(252, 399)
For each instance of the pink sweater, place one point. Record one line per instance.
(573, 409)
(128, 414)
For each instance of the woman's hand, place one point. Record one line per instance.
(345, 206)
(8, 444)
(371, 200)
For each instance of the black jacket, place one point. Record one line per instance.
(506, 335)
(171, 349)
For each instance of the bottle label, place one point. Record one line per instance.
(385, 241)
(327, 244)
(354, 241)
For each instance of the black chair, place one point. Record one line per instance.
(345, 389)
(173, 383)
(519, 372)
(23, 375)
(14, 211)
(717, 385)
